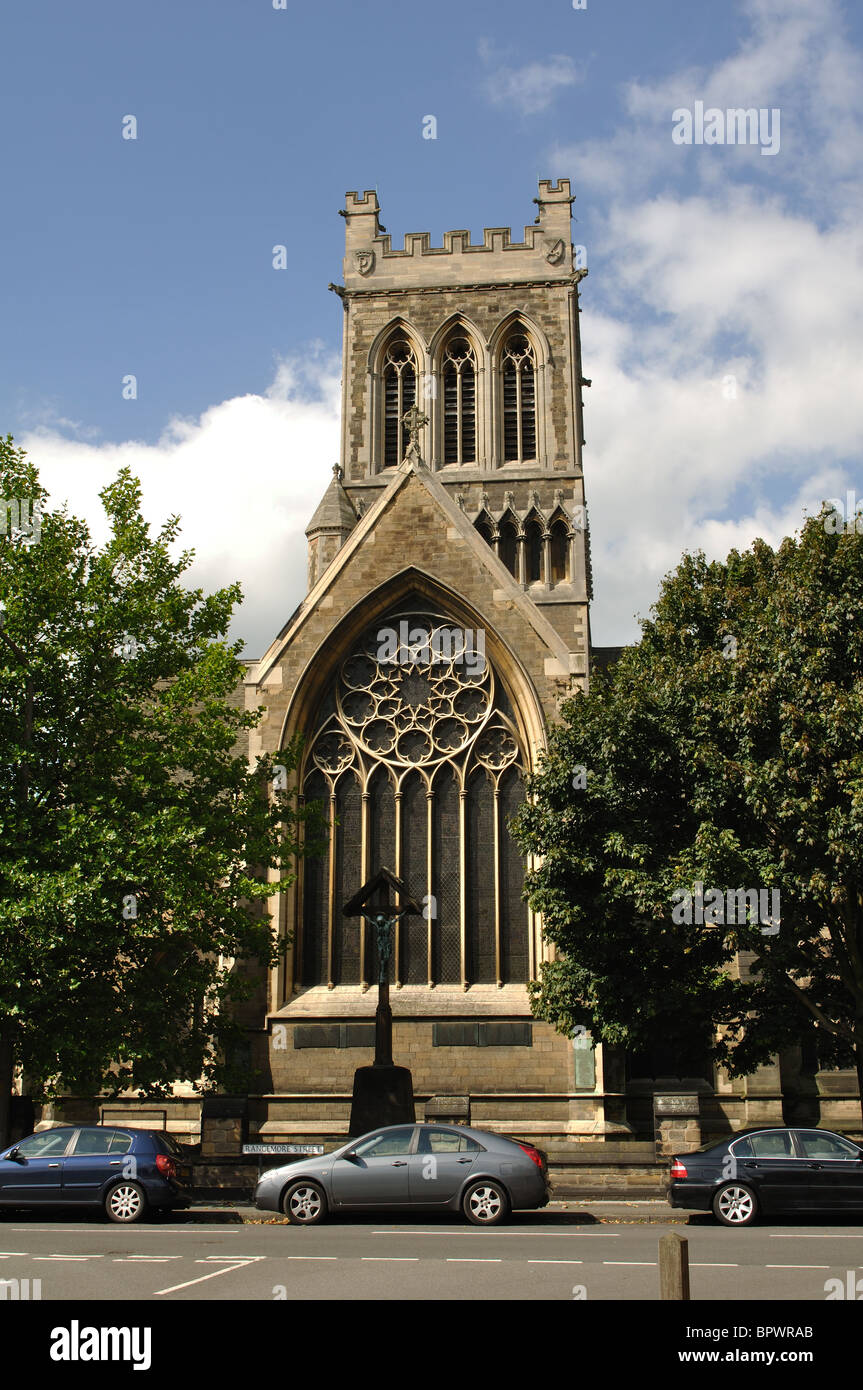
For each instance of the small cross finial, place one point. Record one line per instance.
(414, 420)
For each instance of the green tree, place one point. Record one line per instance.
(137, 846)
(725, 749)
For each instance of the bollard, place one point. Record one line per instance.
(674, 1267)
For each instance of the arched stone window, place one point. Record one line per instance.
(518, 372)
(508, 546)
(458, 372)
(417, 755)
(400, 390)
(560, 550)
(533, 551)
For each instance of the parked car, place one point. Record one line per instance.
(767, 1171)
(419, 1167)
(127, 1172)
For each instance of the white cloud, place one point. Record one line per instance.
(530, 88)
(725, 347)
(245, 478)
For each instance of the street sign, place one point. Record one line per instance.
(283, 1148)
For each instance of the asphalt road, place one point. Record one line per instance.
(231, 1254)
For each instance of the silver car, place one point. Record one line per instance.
(415, 1167)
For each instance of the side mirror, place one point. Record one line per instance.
(351, 1155)
(14, 1153)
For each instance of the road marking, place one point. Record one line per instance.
(213, 1274)
(393, 1259)
(68, 1257)
(144, 1259)
(12, 1254)
(555, 1262)
(313, 1257)
(509, 1235)
(629, 1262)
(470, 1260)
(701, 1264)
(789, 1235)
(797, 1266)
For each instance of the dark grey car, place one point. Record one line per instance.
(416, 1167)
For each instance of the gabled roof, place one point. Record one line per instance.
(506, 585)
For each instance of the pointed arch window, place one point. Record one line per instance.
(519, 399)
(415, 750)
(400, 390)
(508, 549)
(533, 551)
(560, 552)
(459, 401)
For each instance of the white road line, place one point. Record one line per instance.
(68, 1257)
(701, 1264)
(509, 1235)
(145, 1259)
(789, 1235)
(629, 1262)
(313, 1257)
(393, 1259)
(797, 1266)
(555, 1262)
(12, 1254)
(470, 1260)
(213, 1274)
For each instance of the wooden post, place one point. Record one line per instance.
(674, 1267)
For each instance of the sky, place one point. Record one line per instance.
(721, 315)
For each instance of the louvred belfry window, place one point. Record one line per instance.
(519, 399)
(417, 756)
(400, 389)
(459, 402)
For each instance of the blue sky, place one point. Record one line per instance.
(721, 314)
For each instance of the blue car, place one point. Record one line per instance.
(126, 1172)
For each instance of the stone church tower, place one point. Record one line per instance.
(446, 616)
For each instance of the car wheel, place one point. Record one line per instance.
(735, 1205)
(485, 1203)
(125, 1202)
(304, 1204)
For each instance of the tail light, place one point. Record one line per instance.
(166, 1166)
(533, 1154)
(677, 1169)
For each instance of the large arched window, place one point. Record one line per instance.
(458, 373)
(518, 363)
(400, 390)
(417, 755)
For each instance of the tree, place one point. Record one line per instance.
(136, 843)
(723, 752)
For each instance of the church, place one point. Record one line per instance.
(446, 618)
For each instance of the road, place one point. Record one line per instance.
(237, 1254)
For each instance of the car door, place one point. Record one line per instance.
(95, 1156)
(437, 1171)
(773, 1167)
(35, 1175)
(376, 1173)
(835, 1169)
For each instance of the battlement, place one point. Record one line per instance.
(372, 262)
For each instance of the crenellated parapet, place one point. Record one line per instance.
(373, 264)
